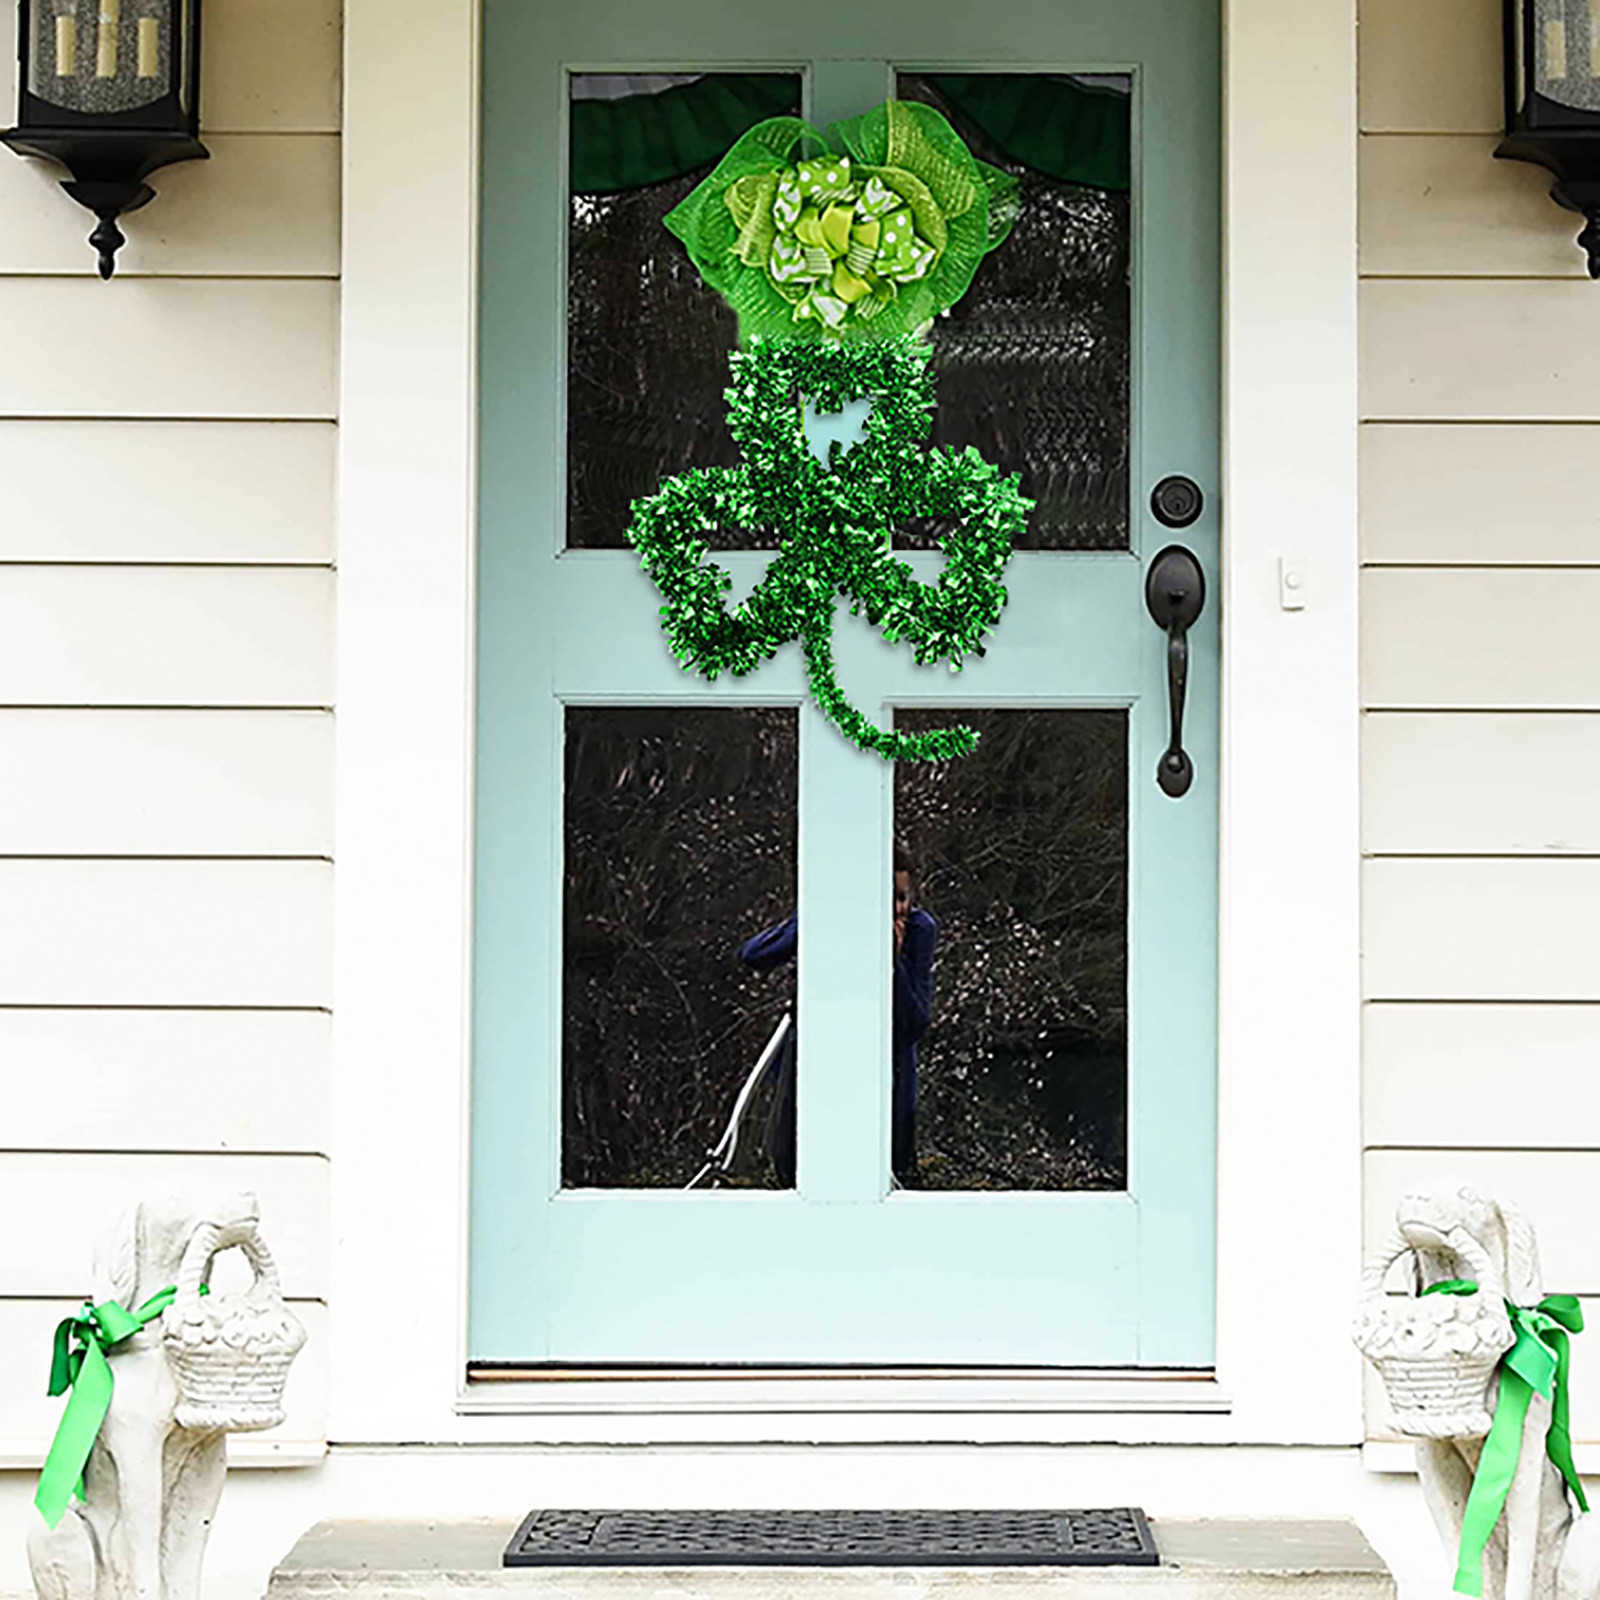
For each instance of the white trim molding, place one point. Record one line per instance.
(1289, 1158)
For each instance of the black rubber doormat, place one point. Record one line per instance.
(1114, 1538)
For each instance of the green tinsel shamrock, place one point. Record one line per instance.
(836, 523)
(866, 244)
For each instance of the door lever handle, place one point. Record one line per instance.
(1175, 594)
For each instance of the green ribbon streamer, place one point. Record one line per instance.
(1536, 1363)
(78, 1362)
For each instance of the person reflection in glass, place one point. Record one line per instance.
(915, 934)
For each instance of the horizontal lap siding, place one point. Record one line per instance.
(169, 1079)
(184, 347)
(1480, 671)
(1494, 494)
(165, 933)
(166, 636)
(1534, 778)
(244, 493)
(1478, 1048)
(166, 694)
(167, 783)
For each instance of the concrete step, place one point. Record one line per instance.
(417, 1560)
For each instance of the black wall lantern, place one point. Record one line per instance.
(111, 90)
(1553, 102)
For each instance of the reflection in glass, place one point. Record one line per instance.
(647, 342)
(1019, 852)
(1033, 361)
(915, 934)
(680, 840)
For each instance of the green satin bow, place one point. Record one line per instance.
(1536, 1363)
(833, 238)
(78, 1362)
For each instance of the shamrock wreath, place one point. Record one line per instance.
(835, 265)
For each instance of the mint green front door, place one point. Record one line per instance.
(639, 827)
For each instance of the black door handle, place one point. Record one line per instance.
(1175, 593)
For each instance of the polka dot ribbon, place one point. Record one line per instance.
(847, 244)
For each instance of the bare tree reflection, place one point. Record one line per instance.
(680, 831)
(1023, 854)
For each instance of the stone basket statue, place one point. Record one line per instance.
(229, 1355)
(1453, 1352)
(1436, 1353)
(182, 1367)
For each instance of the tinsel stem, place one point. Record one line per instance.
(936, 744)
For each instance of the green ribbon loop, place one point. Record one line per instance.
(835, 243)
(78, 1362)
(1536, 1363)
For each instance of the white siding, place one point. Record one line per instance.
(1478, 350)
(1533, 779)
(241, 493)
(166, 636)
(167, 783)
(183, 347)
(1430, 66)
(167, 1079)
(167, 933)
(166, 690)
(1485, 1052)
(1490, 495)
(1476, 638)
(1481, 679)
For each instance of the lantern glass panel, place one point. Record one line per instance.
(1566, 52)
(102, 57)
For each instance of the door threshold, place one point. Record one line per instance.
(739, 1372)
(510, 1387)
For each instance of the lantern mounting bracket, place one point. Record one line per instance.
(1572, 158)
(108, 171)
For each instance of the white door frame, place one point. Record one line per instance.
(1289, 1156)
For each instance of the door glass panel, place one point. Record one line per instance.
(680, 853)
(647, 342)
(1016, 859)
(1033, 361)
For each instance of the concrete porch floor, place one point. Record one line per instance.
(419, 1560)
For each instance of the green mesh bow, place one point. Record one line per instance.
(868, 243)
